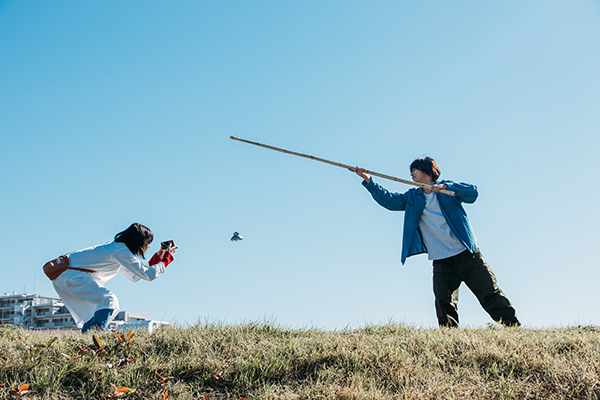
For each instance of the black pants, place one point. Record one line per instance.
(474, 271)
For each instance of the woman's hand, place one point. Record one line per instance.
(361, 172)
(161, 253)
(168, 246)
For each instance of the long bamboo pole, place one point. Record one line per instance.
(337, 164)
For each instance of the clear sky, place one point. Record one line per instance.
(116, 112)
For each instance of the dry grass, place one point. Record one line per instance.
(264, 361)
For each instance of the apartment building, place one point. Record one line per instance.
(39, 312)
(34, 311)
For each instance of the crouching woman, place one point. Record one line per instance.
(85, 272)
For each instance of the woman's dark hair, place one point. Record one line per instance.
(136, 238)
(428, 166)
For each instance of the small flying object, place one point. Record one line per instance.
(236, 237)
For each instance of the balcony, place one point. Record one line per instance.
(42, 314)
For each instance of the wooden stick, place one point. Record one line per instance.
(337, 164)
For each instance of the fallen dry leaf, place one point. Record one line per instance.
(122, 391)
(20, 391)
(163, 379)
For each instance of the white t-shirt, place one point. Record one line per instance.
(439, 239)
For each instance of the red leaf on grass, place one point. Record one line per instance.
(163, 379)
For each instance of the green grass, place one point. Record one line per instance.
(265, 361)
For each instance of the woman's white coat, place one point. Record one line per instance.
(84, 293)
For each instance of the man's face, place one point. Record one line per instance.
(420, 177)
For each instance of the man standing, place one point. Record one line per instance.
(437, 224)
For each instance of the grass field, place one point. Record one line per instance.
(266, 361)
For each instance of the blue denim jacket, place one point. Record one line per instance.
(412, 203)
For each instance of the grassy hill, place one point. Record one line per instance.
(265, 361)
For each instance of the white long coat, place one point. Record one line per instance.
(84, 293)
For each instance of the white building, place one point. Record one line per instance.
(36, 312)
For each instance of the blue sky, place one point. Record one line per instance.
(119, 112)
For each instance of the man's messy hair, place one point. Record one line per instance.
(428, 166)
